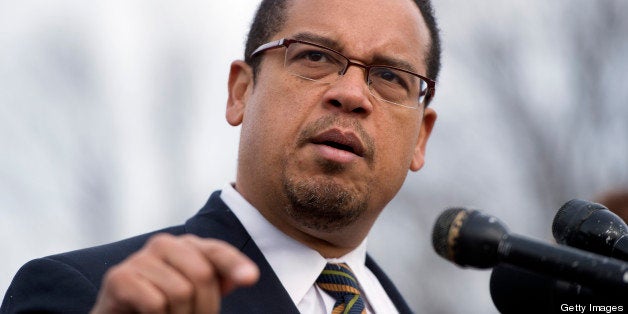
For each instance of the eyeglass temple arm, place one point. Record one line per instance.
(429, 94)
(268, 46)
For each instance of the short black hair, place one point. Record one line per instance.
(271, 16)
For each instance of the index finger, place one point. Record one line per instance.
(234, 267)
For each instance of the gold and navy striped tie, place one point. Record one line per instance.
(339, 282)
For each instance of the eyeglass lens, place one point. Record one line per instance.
(388, 84)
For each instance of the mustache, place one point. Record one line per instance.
(330, 121)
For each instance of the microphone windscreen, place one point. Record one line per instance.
(441, 232)
(570, 216)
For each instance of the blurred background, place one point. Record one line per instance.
(112, 124)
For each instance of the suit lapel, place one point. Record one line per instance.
(216, 220)
(388, 286)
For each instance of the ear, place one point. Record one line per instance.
(429, 118)
(240, 88)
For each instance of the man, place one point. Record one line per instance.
(616, 200)
(332, 100)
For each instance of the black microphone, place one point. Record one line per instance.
(516, 290)
(470, 238)
(592, 227)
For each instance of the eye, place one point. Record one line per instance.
(314, 56)
(389, 76)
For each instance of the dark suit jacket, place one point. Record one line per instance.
(69, 282)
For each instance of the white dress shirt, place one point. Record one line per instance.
(298, 266)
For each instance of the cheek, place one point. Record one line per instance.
(398, 137)
(272, 119)
(394, 157)
(393, 164)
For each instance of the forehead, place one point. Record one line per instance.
(365, 30)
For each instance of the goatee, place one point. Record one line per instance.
(322, 204)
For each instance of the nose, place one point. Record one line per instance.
(349, 92)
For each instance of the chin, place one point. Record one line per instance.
(322, 203)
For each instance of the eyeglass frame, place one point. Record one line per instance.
(286, 42)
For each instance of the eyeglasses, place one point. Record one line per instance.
(321, 64)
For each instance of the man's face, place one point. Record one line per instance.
(331, 154)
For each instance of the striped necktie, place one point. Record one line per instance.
(339, 282)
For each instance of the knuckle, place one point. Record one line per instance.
(189, 237)
(115, 281)
(160, 240)
(182, 293)
(219, 247)
(117, 275)
(204, 275)
(220, 243)
(154, 305)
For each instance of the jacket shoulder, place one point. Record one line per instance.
(93, 262)
(49, 286)
(69, 282)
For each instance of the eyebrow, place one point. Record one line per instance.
(318, 39)
(335, 45)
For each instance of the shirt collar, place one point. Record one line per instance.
(296, 265)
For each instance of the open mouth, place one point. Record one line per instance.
(339, 146)
(346, 141)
